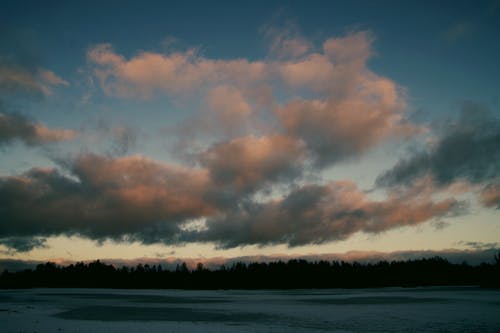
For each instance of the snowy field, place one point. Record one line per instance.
(333, 310)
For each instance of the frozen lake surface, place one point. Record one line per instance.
(463, 309)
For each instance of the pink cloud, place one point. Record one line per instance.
(229, 110)
(248, 162)
(45, 134)
(124, 198)
(338, 71)
(490, 196)
(353, 48)
(336, 129)
(354, 109)
(136, 198)
(143, 183)
(312, 72)
(175, 73)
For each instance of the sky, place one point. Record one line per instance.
(231, 129)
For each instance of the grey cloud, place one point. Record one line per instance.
(480, 245)
(17, 127)
(15, 265)
(468, 149)
(316, 214)
(490, 195)
(137, 199)
(22, 244)
(124, 139)
(101, 198)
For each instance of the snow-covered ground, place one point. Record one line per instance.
(334, 310)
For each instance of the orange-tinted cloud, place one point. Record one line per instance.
(142, 183)
(354, 109)
(300, 108)
(229, 101)
(103, 198)
(339, 68)
(249, 162)
(228, 111)
(175, 73)
(357, 109)
(135, 198)
(334, 130)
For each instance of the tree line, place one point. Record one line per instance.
(296, 273)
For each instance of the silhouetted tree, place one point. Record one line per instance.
(296, 273)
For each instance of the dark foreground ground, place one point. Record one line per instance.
(431, 309)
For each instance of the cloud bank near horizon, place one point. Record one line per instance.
(473, 256)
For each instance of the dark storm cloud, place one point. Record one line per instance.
(317, 214)
(17, 127)
(101, 198)
(136, 199)
(22, 244)
(468, 149)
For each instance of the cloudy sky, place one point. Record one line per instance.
(227, 129)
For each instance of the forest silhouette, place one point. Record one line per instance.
(296, 273)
